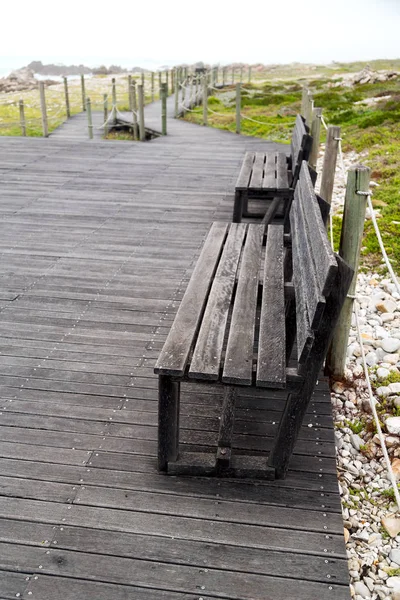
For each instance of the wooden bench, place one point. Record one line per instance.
(271, 175)
(235, 329)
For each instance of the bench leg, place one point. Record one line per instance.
(238, 207)
(226, 429)
(168, 421)
(289, 428)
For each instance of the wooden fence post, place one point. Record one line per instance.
(105, 114)
(223, 76)
(249, 73)
(316, 134)
(89, 117)
(176, 97)
(159, 83)
(241, 74)
(45, 126)
(329, 164)
(142, 79)
(22, 117)
(152, 86)
(304, 101)
(142, 131)
(309, 111)
(134, 111)
(114, 94)
(167, 81)
(238, 107)
(183, 96)
(129, 91)
(205, 100)
(350, 244)
(164, 93)
(173, 73)
(83, 92)
(66, 97)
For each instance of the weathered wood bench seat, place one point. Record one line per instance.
(235, 328)
(271, 175)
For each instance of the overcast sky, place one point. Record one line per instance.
(154, 32)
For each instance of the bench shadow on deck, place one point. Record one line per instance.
(98, 243)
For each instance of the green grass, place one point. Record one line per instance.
(370, 129)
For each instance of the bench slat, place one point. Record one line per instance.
(281, 171)
(270, 171)
(243, 180)
(175, 353)
(238, 366)
(206, 359)
(305, 268)
(271, 366)
(258, 171)
(324, 258)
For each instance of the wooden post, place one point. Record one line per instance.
(43, 109)
(142, 131)
(173, 73)
(105, 114)
(129, 91)
(114, 94)
(152, 86)
(233, 75)
(167, 81)
(159, 83)
(350, 244)
(309, 110)
(249, 73)
(142, 79)
(223, 76)
(183, 97)
(22, 117)
(205, 100)
(329, 164)
(241, 74)
(316, 133)
(164, 92)
(83, 92)
(134, 111)
(66, 97)
(238, 108)
(176, 97)
(304, 101)
(89, 117)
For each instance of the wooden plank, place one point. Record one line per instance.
(13, 585)
(175, 354)
(257, 172)
(271, 364)
(243, 180)
(282, 181)
(206, 359)
(238, 364)
(323, 255)
(270, 178)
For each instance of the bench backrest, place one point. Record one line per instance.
(320, 277)
(300, 147)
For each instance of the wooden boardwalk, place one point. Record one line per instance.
(98, 241)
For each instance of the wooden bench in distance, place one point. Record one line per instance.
(233, 330)
(271, 175)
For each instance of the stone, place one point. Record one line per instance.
(371, 358)
(392, 525)
(368, 340)
(390, 345)
(395, 555)
(361, 589)
(383, 391)
(392, 359)
(396, 471)
(338, 387)
(346, 534)
(394, 388)
(387, 317)
(356, 441)
(394, 583)
(386, 306)
(382, 373)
